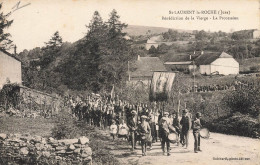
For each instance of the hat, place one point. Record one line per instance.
(144, 117)
(164, 119)
(166, 113)
(185, 111)
(133, 112)
(198, 114)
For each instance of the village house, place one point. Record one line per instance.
(182, 62)
(10, 69)
(256, 34)
(156, 41)
(141, 71)
(153, 41)
(182, 66)
(217, 63)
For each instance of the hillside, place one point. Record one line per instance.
(135, 30)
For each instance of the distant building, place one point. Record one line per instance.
(10, 69)
(156, 41)
(256, 34)
(182, 62)
(127, 37)
(141, 71)
(182, 66)
(153, 41)
(219, 63)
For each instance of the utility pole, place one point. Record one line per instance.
(193, 62)
(128, 71)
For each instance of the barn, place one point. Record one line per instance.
(141, 71)
(10, 69)
(217, 63)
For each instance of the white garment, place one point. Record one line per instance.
(113, 129)
(123, 129)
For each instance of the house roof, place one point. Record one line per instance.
(178, 63)
(145, 66)
(9, 54)
(155, 39)
(208, 58)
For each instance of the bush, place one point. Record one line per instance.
(244, 100)
(65, 127)
(238, 124)
(255, 68)
(9, 96)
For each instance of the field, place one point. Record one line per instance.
(38, 126)
(247, 63)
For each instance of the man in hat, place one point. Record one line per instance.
(196, 126)
(186, 126)
(144, 131)
(164, 125)
(132, 125)
(176, 125)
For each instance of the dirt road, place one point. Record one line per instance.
(218, 147)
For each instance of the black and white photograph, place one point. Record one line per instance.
(129, 82)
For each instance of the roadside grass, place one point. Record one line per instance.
(46, 128)
(37, 126)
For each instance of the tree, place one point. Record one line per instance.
(95, 44)
(55, 41)
(201, 35)
(114, 62)
(100, 59)
(152, 50)
(5, 42)
(51, 49)
(86, 59)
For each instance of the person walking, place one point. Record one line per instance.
(132, 125)
(177, 126)
(144, 131)
(113, 129)
(186, 126)
(196, 126)
(164, 125)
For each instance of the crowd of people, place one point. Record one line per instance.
(228, 86)
(142, 122)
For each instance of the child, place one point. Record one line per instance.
(196, 126)
(144, 130)
(123, 130)
(113, 129)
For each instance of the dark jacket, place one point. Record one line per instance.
(132, 123)
(186, 123)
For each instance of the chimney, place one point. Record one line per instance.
(138, 58)
(190, 56)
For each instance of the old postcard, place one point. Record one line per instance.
(130, 82)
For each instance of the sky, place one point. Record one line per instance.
(35, 23)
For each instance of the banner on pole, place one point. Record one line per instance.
(161, 86)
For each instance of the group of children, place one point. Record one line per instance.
(142, 131)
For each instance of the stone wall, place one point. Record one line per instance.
(66, 150)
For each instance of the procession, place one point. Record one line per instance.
(119, 82)
(140, 124)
